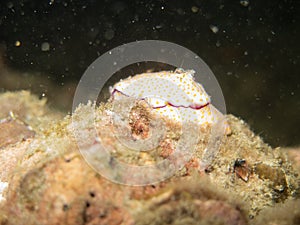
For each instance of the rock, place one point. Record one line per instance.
(13, 131)
(49, 182)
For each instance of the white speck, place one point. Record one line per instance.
(49, 150)
(214, 28)
(43, 94)
(45, 46)
(159, 26)
(109, 52)
(162, 8)
(97, 139)
(3, 186)
(17, 43)
(195, 9)
(115, 63)
(244, 3)
(218, 44)
(245, 53)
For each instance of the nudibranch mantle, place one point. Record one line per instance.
(173, 94)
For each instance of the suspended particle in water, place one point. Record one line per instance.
(195, 9)
(244, 3)
(45, 46)
(214, 29)
(17, 43)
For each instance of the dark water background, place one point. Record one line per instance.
(251, 46)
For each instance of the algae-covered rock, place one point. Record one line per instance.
(49, 182)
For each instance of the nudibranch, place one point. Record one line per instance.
(175, 97)
(172, 94)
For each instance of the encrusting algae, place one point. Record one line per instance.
(49, 182)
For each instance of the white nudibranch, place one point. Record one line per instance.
(173, 94)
